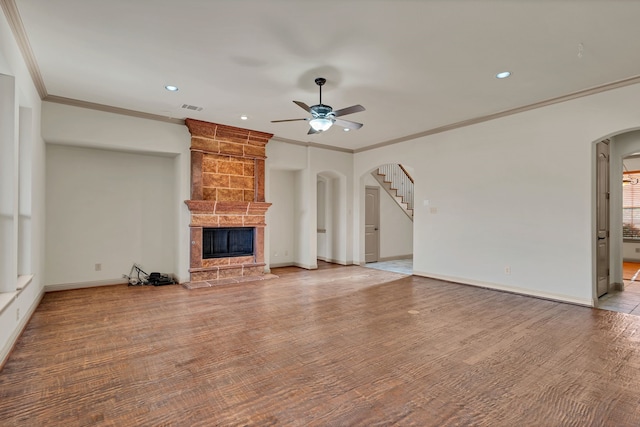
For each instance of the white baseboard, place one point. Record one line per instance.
(281, 264)
(510, 289)
(80, 285)
(294, 264)
(333, 261)
(394, 258)
(306, 266)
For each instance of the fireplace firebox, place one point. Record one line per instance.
(227, 242)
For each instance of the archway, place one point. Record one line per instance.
(331, 217)
(625, 147)
(388, 197)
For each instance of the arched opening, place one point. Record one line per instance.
(388, 217)
(623, 292)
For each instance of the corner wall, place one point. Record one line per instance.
(508, 204)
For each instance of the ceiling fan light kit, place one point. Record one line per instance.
(323, 116)
(321, 124)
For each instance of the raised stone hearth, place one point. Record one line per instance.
(227, 190)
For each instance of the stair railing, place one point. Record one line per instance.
(400, 180)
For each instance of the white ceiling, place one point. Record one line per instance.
(414, 65)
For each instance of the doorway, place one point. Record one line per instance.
(623, 234)
(626, 298)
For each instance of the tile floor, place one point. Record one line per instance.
(627, 301)
(403, 266)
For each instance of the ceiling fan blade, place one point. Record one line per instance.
(302, 105)
(312, 131)
(287, 120)
(347, 124)
(349, 110)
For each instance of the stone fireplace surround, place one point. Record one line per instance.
(227, 190)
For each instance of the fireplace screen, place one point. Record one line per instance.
(227, 242)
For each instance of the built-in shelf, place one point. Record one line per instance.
(23, 281)
(6, 298)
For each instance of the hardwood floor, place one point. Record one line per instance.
(631, 271)
(339, 346)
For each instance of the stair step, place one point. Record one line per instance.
(394, 192)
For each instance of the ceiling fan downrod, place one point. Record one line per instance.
(320, 81)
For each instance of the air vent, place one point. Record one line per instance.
(191, 107)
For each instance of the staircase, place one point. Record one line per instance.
(398, 184)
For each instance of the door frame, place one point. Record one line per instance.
(377, 230)
(602, 221)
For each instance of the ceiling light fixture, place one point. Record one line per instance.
(346, 129)
(503, 75)
(171, 88)
(243, 117)
(320, 124)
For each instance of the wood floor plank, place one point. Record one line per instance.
(338, 346)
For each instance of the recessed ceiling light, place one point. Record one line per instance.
(243, 117)
(503, 75)
(347, 129)
(171, 88)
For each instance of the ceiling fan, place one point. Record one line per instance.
(323, 116)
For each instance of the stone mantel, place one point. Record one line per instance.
(223, 208)
(227, 190)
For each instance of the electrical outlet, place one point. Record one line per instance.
(507, 270)
(98, 267)
(275, 253)
(286, 253)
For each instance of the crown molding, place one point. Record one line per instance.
(312, 144)
(579, 94)
(15, 22)
(111, 109)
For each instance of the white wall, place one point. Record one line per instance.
(280, 218)
(284, 162)
(396, 228)
(110, 208)
(148, 139)
(23, 192)
(514, 192)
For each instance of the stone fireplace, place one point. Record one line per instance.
(227, 193)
